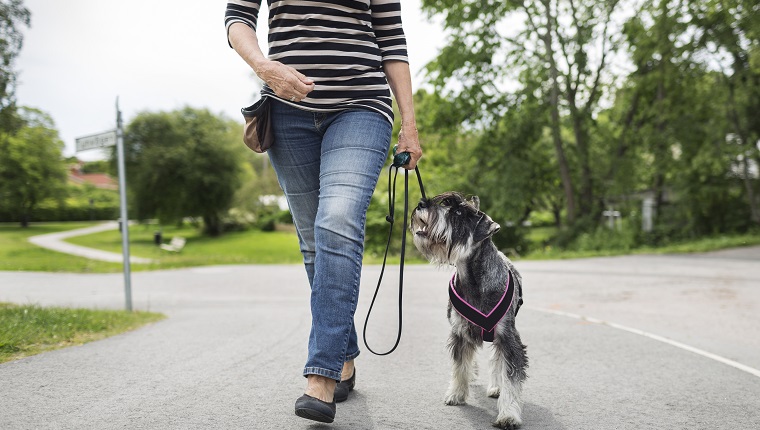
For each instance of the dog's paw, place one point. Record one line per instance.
(508, 422)
(493, 392)
(454, 399)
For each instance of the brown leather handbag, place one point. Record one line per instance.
(257, 132)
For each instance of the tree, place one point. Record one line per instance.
(31, 164)
(684, 119)
(661, 100)
(729, 33)
(184, 163)
(499, 51)
(13, 15)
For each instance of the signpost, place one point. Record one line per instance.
(102, 140)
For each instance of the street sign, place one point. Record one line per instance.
(95, 141)
(116, 138)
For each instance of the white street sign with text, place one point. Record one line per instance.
(100, 140)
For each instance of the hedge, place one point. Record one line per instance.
(65, 213)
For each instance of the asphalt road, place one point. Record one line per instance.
(231, 352)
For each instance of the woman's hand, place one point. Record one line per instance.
(409, 141)
(286, 82)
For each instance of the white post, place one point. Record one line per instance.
(123, 200)
(613, 217)
(647, 214)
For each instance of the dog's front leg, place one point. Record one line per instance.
(497, 369)
(514, 363)
(462, 355)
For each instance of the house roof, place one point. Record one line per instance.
(99, 180)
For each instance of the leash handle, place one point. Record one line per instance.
(402, 159)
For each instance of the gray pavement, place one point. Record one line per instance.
(231, 352)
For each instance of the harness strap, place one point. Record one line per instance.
(390, 219)
(487, 322)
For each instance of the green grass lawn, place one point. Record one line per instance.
(16, 253)
(700, 245)
(29, 330)
(247, 247)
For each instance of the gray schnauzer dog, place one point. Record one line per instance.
(485, 293)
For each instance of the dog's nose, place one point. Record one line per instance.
(423, 204)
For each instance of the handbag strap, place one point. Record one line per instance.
(397, 163)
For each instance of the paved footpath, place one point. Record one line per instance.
(230, 354)
(55, 242)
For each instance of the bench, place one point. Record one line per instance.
(176, 244)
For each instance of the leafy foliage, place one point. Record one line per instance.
(31, 165)
(13, 15)
(184, 163)
(570, 107)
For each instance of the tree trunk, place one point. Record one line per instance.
(623, 143)
(212, 224)
(556, 210)
(564, 168)
(587, 185)
(754, 213)
(525, 216)
(660, 145)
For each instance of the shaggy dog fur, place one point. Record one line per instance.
(450, 230)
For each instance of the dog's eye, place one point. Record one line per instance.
(447, 202)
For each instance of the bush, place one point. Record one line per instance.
(238, 220)
(270, 216)
(512, 240)
(603, 238)
(50, 213)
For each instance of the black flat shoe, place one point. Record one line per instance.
(344, 387)
(312, 408)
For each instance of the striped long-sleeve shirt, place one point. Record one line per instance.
(340, 44)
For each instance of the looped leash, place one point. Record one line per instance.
(399, 160)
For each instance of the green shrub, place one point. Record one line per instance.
(512, 240)
(66, 213)
(238, 220)
(605, 238)
(268, 217)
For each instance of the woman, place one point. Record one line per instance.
(332, 65)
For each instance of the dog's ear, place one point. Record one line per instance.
(486, 228)
(474, 202)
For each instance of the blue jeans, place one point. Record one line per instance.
(328, 164)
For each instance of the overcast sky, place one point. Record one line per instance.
(79, 55)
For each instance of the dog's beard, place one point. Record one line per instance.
(433, 238)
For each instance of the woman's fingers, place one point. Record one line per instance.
(285, 81)
(408, 141)
(303, 78)
(302, 85)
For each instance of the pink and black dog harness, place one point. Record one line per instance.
(486, 322)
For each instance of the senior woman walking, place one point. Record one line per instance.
(331, 68)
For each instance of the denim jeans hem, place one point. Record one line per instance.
(321, 372)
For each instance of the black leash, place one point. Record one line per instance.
(399, 160)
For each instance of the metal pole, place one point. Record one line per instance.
(123, 201)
